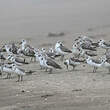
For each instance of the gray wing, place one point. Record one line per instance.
(88, 47)
(21, 61)
(96, 61)
(22, 70)
(76, 60)
(89, 53)
(53, 64)
(64, 49)
(107, 44)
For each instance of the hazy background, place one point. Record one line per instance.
(35, 17)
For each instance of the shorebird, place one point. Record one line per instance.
(8, 49)
(41, 61)
(61, 49)
(23, 44)
(107, 54)
(50, 64)
(7, 68)
(14, 48)
(87, 46)
(76, 50)
(20, 72)
(86, 40)
(84, 53)
(2, 57)
(95, 63)
(104, 44)
(51, 53)
(17, 60)
(73, 62)
(106, 63)
(27, 51)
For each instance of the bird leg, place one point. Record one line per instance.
(31, 59)
(21, 78)
(50, 72)
(9, 76)
(74, 67)
(67, 67)
(34, 59)
(45, 69)
(94, 70)
(41, 67)
(18, 78)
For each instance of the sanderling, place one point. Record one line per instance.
(7, 68)
(104, 44)
(61, 49)
(8, 49)
(51, 53)
(17, 60)
(73, 62)
(95, 63)
(50, 64)
(20, 72)
(106, 63)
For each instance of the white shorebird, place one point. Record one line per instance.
(107, 54)
(86, 40)
(47, 63)
(27, 51)
(76, 50)
(51, 53)
(41, 61)
(23, 44)
(84, 53)
(14, 48)
(104, 44)
(86, 46)
(8, 49)
(7, 68)
(73, 62)
(95, 63)
(106, 63)
(20, 72)
(61, 49)
(50, 64)
(16, 60)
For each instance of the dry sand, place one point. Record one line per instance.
(63, 90)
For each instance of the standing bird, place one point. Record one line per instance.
(106, 63)
(50, 64)
(61, 49)
(95, 63)
(104, 44)
(73, 62)
(16, 60)
(20, 72)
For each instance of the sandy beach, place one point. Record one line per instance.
(33, 20)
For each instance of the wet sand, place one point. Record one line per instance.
(63, 90)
